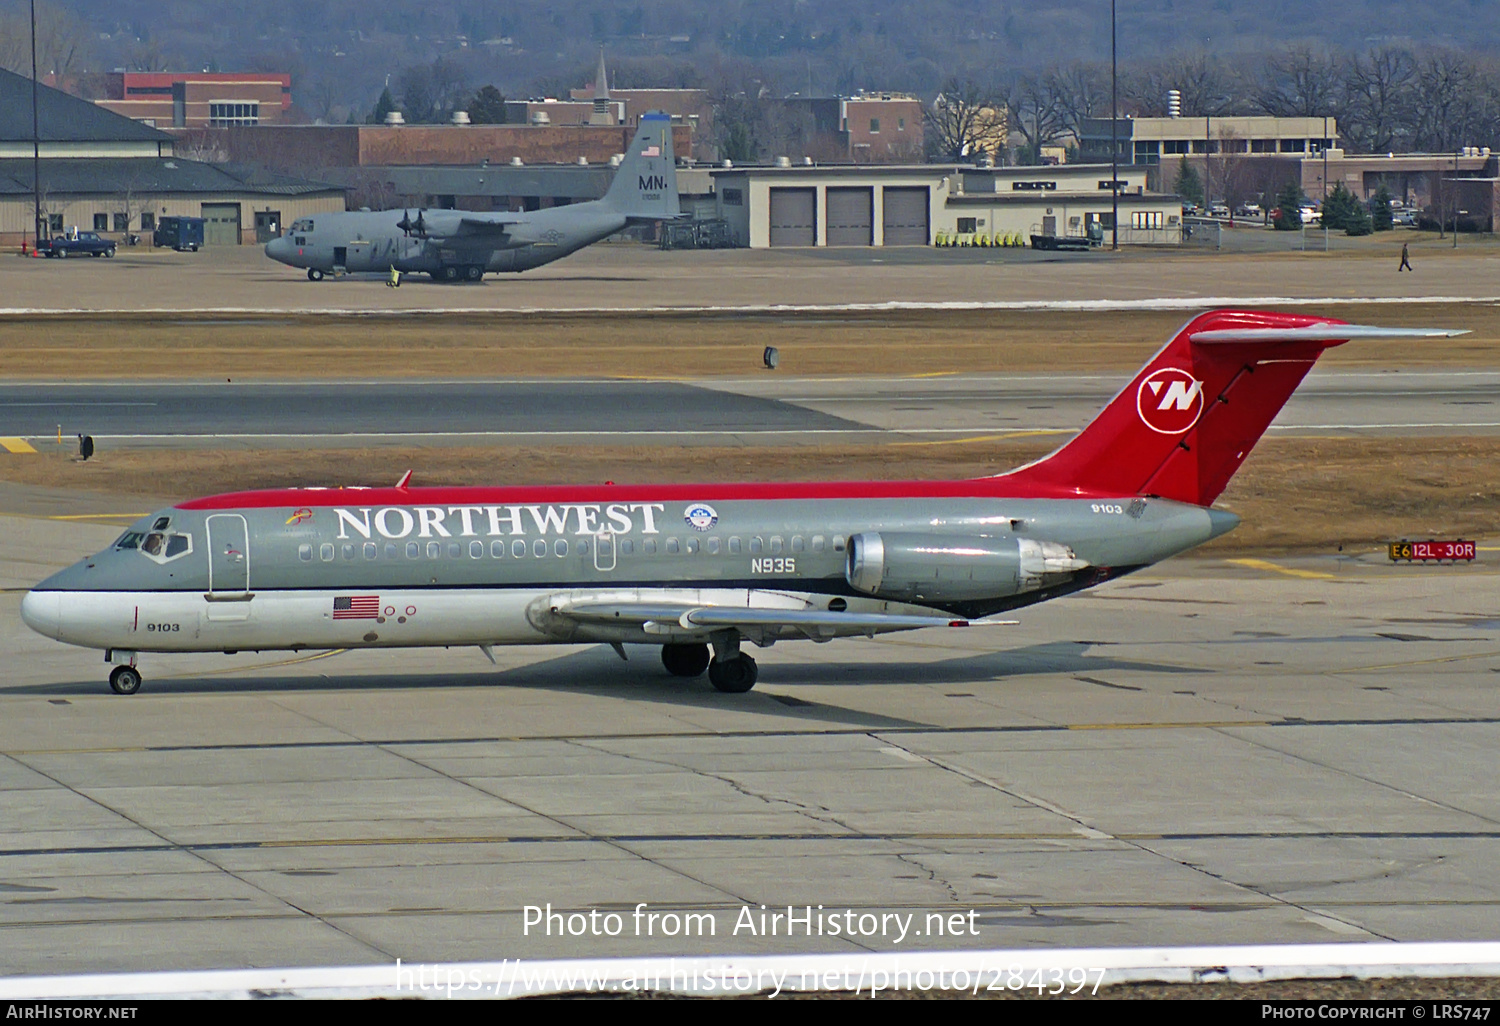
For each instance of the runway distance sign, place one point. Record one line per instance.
(1430, 551)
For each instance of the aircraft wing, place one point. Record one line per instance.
(481, 225)
(659, 618)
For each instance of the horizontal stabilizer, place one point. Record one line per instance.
(1319, 333)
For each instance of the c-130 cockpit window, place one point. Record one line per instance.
(302, 224)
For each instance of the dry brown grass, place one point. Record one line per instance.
(1295, 495)
(661, 345)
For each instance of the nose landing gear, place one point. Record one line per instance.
(125, 680)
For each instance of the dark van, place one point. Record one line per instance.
(180, 233)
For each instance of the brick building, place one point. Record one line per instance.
(177, 99)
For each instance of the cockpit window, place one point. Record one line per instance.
(302, 224)
(163, 547)
(162, 523)
(129, 540)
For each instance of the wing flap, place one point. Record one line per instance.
(689, 617)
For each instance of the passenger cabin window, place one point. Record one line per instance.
(348, 552)
(649, 546)
(560, 547)
(325, 552)
(627, 546)
(672, 546)
(413, 550)
(434, 550)
(370, 550)
(304, 553)
(734, 546)
(797, 543)
(755, 546)
(775, 543)
(539, 547)
(518, 548)
(817, 545)
(692, 546)
(497, 549)
(838, 544)
(476, 550)
(713, 546)
(454, 551)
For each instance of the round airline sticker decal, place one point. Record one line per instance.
(1169, 401)
(700, 516)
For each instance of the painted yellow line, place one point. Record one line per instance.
(1417, 662)
(987, 438)
(16, 445)
(1262, 564)
(98, 516)
(1170, 726)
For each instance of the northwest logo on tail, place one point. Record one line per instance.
(1169, 401)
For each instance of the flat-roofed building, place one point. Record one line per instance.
(187, 99)
(916, 204)
(1157, 140)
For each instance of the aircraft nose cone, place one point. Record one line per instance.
(279, 249)
(42, 611)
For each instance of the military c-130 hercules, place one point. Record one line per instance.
(461, 245)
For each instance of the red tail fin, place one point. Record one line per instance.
(1186, 422)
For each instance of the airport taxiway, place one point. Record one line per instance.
(1208, 752)
(710, 412)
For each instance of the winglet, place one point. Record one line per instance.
(405, 480)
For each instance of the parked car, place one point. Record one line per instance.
(1404, 219)
(79, 244)
(1219, 210)
(1248, 210)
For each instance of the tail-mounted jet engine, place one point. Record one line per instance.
(937, 568)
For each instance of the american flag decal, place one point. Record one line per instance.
(356, 607)
(651, 151)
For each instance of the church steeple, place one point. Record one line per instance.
(603, 113)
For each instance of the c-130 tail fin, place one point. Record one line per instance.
(645, 184)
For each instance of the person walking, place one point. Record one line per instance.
(1405, 260)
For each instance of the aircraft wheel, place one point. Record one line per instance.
(733, 676)
(685, 660)
(473, 272)
(125, 680)
(313, 274)
(450, 274)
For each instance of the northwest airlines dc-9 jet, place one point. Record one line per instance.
(461, 245)
(698, 569)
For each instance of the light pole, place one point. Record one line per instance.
(1114, 133)
(36, 144)
(1324, 204)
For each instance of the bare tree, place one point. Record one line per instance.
(1036, 111)
(1379, 99)
(1302, 82)
(963, 120)
(61, 42)
(1081, 91)
(1448, 102)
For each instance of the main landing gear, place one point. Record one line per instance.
(685, 660)
(730, 670)
(125, 680)
(313, 274)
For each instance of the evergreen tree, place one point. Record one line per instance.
(1188, 185)
(1380, 209)
(383, 106)
(487, 107)
(1340, 209)
(1289, 208)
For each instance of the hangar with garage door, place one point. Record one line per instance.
(786, 205)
